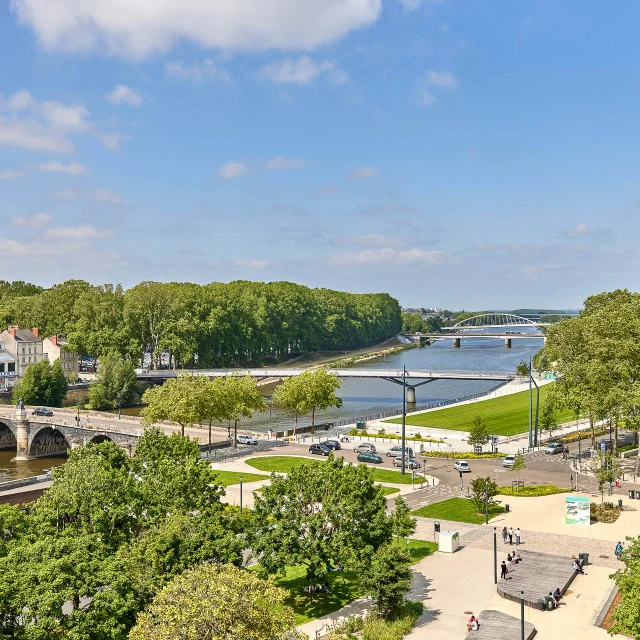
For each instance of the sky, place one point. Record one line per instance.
(459, 154)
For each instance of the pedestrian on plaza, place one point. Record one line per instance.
(505, 535)
(518, 536)
(617, 483)
(510, 535)
(503, 570)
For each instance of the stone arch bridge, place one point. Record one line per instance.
(36, 439)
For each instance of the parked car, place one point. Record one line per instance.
(244, 439)
(42, 411)
(462, 465)
(334, 444)
(369, 456)
(409, 463)
(509, 460)
(554, 447)
(394, 452)
(320, 449)
(365, 447)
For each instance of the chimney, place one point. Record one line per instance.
(35, 332)
(12, 330)
(54, 340)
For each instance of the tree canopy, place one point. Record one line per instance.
(42, 383)
(116, 383)
(201, 325)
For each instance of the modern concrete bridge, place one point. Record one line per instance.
(38, 439)
(411, 378)
(458, 337)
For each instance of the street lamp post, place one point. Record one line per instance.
(486, 501)
(495, 556)
(522, 615)
(404, 414)
(240, 494)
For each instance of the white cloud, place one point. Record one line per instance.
(578, 230)
(303, 71)
(440, 79)
(82, 233)
(252, 264)
(232, 170)
(104, 195)
(44, 126)
(123, 94)
(70, 168)
(34, 222)
(378, 240)
(392, 256)
(362, 173)
(136, 28)
(284, 163)
(10, 174)
(533, 272)
(64, 194)
(197, 72)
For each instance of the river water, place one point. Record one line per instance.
(368, 396)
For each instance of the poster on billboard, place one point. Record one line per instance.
(577, 510)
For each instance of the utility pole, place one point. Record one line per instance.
(486, 501)
(404, 413)
(530, 406)
(495, 556)
(522, 615)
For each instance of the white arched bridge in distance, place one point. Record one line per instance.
(494, 320)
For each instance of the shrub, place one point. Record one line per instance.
(461, 455)
(606, 512)
(391, 436)
(531, 492)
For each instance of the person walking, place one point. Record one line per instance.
(510, 535)
(503, 570)
(518, 536)
(505, 535)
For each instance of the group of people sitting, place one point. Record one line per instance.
(576, 565)
(317, 588)
(512, 559)
(473, 624)
(554, 596)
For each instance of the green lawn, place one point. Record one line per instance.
(503, 416)
(457, 509)
(284, 464)
(387, 491)
(226, 478)
(343, 585)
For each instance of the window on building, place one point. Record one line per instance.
(23, 350)
(11, 367)
(1, 367)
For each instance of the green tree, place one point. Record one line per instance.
(401, 521)
(238, 398)
(606, 468)
(387, 578)
(548, 420)
(177, 400)
(519, 464)
(42, 383)
(522, 369)
(116, 383)
(479, 433)
(626, 614)
(320, 514)
(214, 601)
(478, 489)
(292, 394)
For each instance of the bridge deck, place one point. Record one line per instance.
(420, 374)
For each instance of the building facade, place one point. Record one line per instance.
(8, 372)
(56, 348)
(24, 346)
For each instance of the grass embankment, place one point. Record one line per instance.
(284, 464)
(506, 415)
(531, 491)
(343, 586)
(227, 478)
(458, 510)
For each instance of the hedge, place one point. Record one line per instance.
(461, 455)
(531, 492)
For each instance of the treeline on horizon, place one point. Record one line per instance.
(212, 325)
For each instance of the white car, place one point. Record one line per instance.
(242, 439)
(509, 460)
(462, 465)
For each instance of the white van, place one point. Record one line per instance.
(394, 452)
(509, 460)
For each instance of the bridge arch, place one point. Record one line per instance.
(100, 438)
(483, 320)
(7, 437)
(48, 442)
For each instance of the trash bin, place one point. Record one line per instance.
(584, 557)
(637, 495)
(632, 494)
(436, 526)
(506, 508)
(619, 504)
(541, 605)
(549, 604)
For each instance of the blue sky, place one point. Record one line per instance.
(454, 153)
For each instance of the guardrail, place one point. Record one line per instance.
(24, 482)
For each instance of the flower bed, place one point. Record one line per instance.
(461, 455)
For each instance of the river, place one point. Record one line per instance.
(364, 397)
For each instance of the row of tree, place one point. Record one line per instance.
(143, 547)
(413, 322)
(210, 325)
